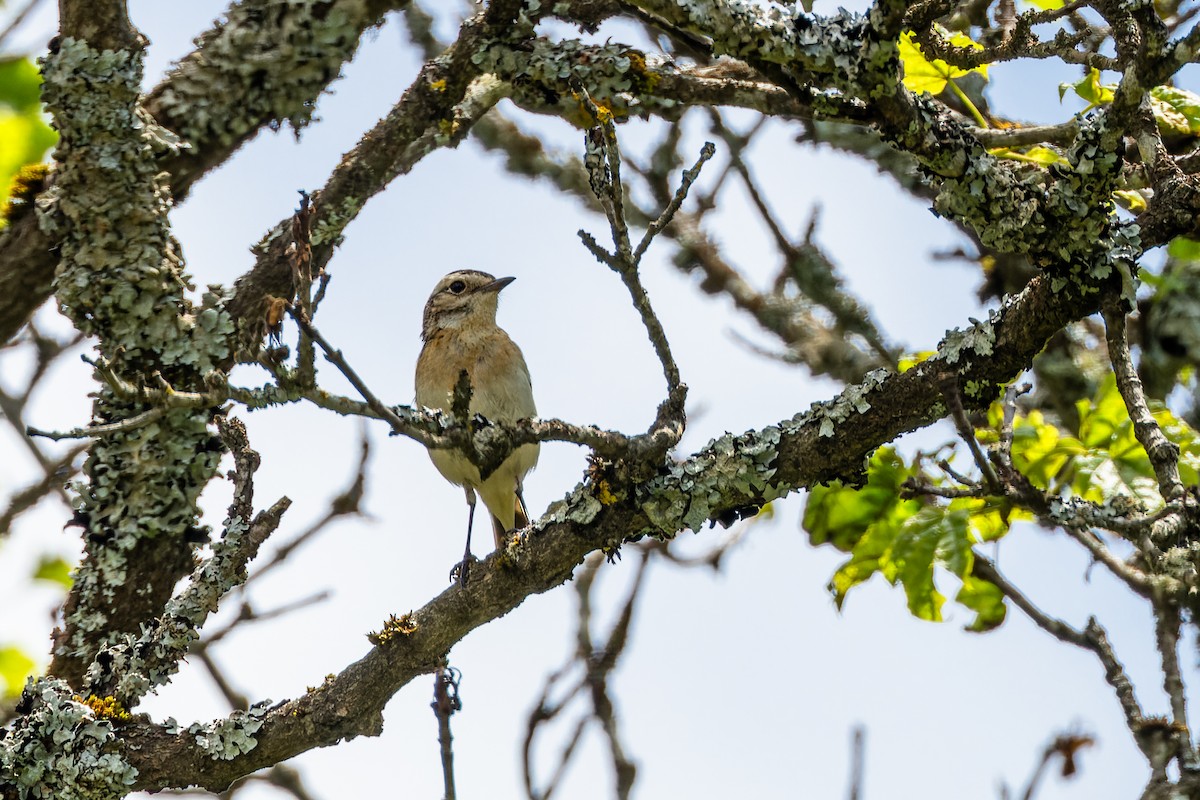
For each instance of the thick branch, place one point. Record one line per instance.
(732, 473)
(210, 100)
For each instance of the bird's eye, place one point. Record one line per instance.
(457, 287)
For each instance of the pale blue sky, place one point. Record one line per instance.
(743, 684)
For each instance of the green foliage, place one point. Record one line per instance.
(922, 74)
(1042, 156)
(1176, 110)
(1105, 460)
(15, 668)
(1182, 248)
(899, 526)
(910, 360)
(24, 135)
(54, 570)
(905, 540)
(1090, 89)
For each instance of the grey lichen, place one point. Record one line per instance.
(144, 662)
(1064, 214)
(1182, 562)
(226, 739)
(121, 279)
(957, 346)
(59, 750)
(545, 75)
(266, 60)
(852, 401)
(728, 472)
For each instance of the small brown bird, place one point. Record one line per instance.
(460, 333)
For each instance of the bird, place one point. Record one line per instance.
(460, 333)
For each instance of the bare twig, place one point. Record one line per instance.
(1163, 453)
(98, 431)
(1093, 637)
(17, 20)
(1167, 625)
(984, 568)
(446, 702)
(603, 164)
(966, 432)
(57, 474)
(856, 763)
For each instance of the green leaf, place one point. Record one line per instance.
(20, 85)
(910, 360)
(54, 570)
(24, 135)
(925, 75)
(15, 668)
(986, 600)
(932, 536)
(1182, 248)
(1106, 461)
(1090, 89)
(841, 515)
(907, 542)
(1034, 155)
(1176, 110)
(1040, 452)
(1132, 201)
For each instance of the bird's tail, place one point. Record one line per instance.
(520, 520)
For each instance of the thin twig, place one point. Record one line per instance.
(98, 431)
(966, 432)
(336, 358)
(1093, 637)
(1133, 577)
(445, 703)
(1163, 453)
(1167, 624)
(55, 477)
(856, 763)
(603, 162)
(685, 183)
(986, 569)
(18, 20)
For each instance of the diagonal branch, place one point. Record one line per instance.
(216, 105)
(828, 441)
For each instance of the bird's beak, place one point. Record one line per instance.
(495, 285)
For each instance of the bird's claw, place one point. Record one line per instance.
(462, 570)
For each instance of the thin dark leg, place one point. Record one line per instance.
(464, 567)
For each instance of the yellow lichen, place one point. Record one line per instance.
(637, 66)
(604, 493)
(105, 707)
(395, 626)
(25, 186)
(439, 85)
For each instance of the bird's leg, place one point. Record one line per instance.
(464, 567)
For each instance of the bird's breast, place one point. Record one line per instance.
(500, 385)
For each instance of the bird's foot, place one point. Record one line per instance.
(462, 570)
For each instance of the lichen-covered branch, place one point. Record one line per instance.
(215, 105)
(128, 669)
(121, 281)
(721, 482)
(448, 96)
(1163, 454)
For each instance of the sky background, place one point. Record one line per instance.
(744, 683)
